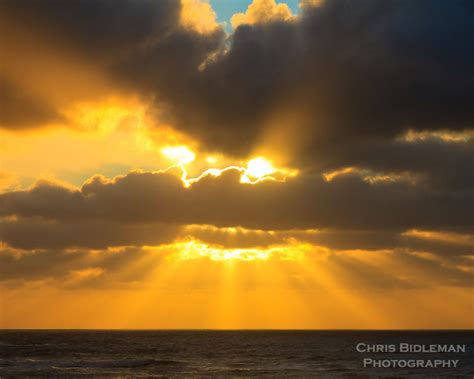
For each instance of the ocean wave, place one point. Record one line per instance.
(97, 364)
(119, 363)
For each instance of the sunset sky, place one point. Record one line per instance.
(236, 164)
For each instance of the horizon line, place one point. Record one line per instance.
(244, 329)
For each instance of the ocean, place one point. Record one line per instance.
(243, 353)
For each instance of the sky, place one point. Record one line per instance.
(236, 164)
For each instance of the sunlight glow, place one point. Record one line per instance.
(257, 170)
(442, 236)
(259, 167)
(179, 154)
(195, 249)
(329, 176)
(443, 135)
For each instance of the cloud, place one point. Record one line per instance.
(22, 110)
(128, 23)
(36, 234)
(341, 74)
(262, 11)
(60, 53)
(77, 266)
(308, 201)
(199, 16)
(339, 240)
(433, 162)
(310, 3)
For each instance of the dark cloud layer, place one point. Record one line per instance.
(347, 202)
(36, 234)
(347, 76)
(347, 71)
(339, 240)
(102, 30)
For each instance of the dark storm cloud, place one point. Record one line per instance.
(347, 202)
(348, 71)
(101, 29)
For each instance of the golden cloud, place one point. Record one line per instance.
(262, 11)
(199, 16)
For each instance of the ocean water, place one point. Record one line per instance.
(198, 354)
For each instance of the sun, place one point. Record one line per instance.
(259, 167)
(179, 154)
